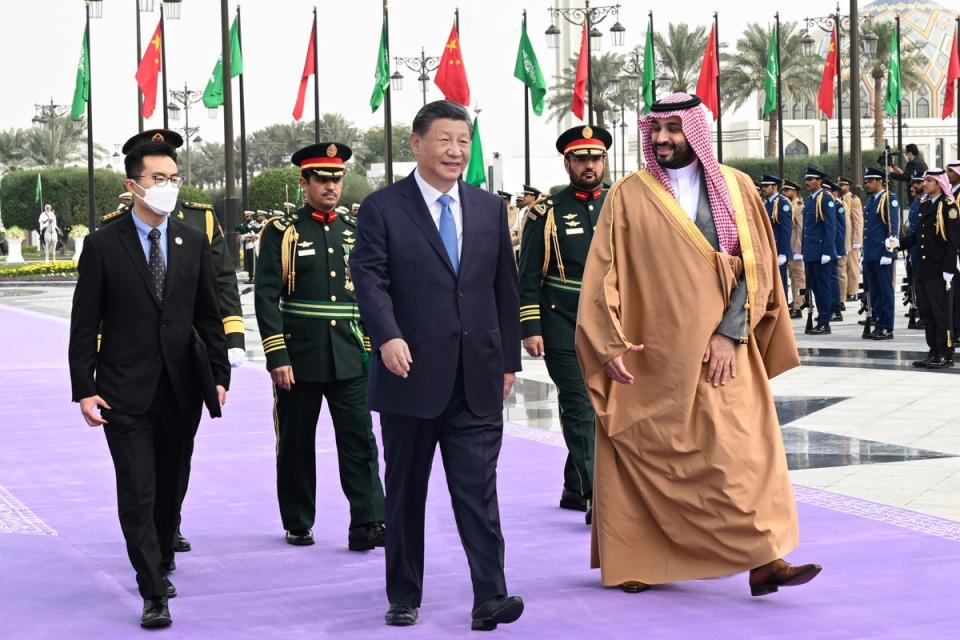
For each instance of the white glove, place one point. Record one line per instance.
(947, 277)
(857, 246)
(824, 259)
(891, 243)
(798, 256)
(236, 356)
(885, 261)
(781, 260)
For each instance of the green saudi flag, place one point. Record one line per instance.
(476, 171)
(381, 79)
(38, 192)
(648, 72)
(81, 91)
(527, 71)
(770, 76)
(892, 103)
(213, 94)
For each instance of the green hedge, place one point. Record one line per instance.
(795, 166)
(65, 189)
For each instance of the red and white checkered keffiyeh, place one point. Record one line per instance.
(940, 177)
(697, 131)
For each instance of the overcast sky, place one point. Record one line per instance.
(40, 45)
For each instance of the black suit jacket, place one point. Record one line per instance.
(406, 288)
(141, 335)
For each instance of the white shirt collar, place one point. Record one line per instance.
(686, 184)
(688, 172)
(431, 193)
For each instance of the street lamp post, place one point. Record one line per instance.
(422, 65)
(186, 98)
(587, 17)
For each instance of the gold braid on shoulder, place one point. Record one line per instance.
(288, 257)
(550, 239)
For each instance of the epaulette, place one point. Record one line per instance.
(540, 208)
(280, 223)
(113, 215)
(349, 220)
(198, 205)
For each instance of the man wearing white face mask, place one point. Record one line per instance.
(147, 285)
(202, 217)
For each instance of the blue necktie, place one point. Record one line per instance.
(448, 231)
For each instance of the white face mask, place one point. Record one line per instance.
(162, 200)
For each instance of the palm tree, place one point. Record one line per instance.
(603, 69)
(56, 143)
(744, 71)
(681, 53)
(13, 149)
(912, 62)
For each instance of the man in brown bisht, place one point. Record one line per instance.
(682, 322)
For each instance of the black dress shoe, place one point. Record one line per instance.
(795, 314)
(401, 615)
(171, 590)
(822, 330)
(883, 334)
(170, 568)
(366, 536)
(180, 544)
(940, 362)
(572, 501)
(843, 307)
(156, 614)
(920, 364)
(920, 325)
(836, 317)
(499, 610)
(300, 537)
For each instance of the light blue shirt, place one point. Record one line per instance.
(431, 196)
(143, 229)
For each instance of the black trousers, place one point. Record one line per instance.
(297, 412)
(248, 256)
(470, 446)
(151, 457)
(932, 300)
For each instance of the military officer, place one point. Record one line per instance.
(200, 216)
(315, 348)
(937, 236)
(556, 239)
(819, 245)
(781, 218)
(247, 231)
(798, 279)
(854, 239)
(909, 227)
(881, 225)
(527, 198)
(838, 267)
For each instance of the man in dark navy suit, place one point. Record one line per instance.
(436, 284)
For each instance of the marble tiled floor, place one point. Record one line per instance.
(858, 419)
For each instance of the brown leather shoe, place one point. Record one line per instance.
(780, 573)
(633, 586)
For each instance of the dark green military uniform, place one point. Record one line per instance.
(556, 240)
(308, 319)
(201, 216)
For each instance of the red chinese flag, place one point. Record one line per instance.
(709, 70)
(451, 75)
(148, 72)
(825, 97)
(953, 76)
(308, 70)
(580, 83)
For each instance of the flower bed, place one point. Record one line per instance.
(60, 270)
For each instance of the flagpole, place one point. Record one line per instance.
(387, 109)
(163, 67)
(779, 102)
(526, 120)
(231, 217)
(836, 26)
(588, 26)
(856, 161)
(316, 83)
(91, 199)
(956, 103)
(716, 52)
(653, 83)
(899, 117)
(244, 195)
(139, 55)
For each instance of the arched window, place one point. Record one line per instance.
(808, 112)
(923, 102)
(796, 148)
(796, 111)
(906, 107)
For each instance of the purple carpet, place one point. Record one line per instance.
(64, 574)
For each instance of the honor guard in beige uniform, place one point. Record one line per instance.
(795, 265)
(854, 207)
